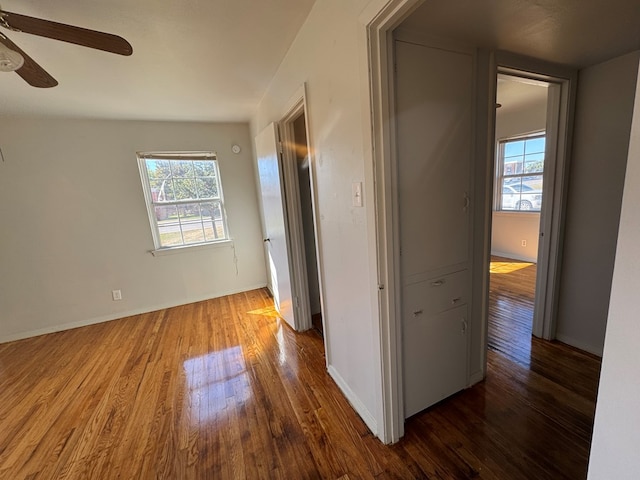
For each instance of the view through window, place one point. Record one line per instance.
(520, 169)
(184, 198)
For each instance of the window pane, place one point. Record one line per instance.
(185, 189)
(532, 183)
(161, 190)
(522, 193)
(204, 168)
(509, 198)
(170, 237)
(169, 228)
(175, 192)
(159, 173)
(512, 166)
(170, 213)
(158, 169)
(535, 145)
(166, 212)
(521, 163)
(192, 233)
(514, 148)
(213, 221)
(534, 163)
(513, 182)
(182, 168)
(207, 187)
(189, 212)
(191, 223)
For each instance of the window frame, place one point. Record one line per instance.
(151, 204)
(500, 176)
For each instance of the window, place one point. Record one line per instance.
(184, 198)
(520, 168)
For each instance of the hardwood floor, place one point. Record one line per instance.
(511, 296)
(224, 389)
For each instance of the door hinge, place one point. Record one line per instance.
(280, 147)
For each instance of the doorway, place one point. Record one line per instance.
(520, 141)
(303, 166)
(286, 180)
(302, 233)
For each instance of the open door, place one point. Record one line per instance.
(273, 205)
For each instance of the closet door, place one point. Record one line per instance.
(434, 98)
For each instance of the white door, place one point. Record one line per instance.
(434, 98)
(273, 206)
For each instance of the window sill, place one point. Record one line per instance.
(508, 213)
(161, 252)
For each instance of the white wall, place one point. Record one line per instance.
(510, 228)
(604, 109)
(616, 436)
(327, 55)
(75, 224)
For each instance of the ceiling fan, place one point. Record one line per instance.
(12, 58)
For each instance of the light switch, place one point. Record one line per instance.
(356, 194)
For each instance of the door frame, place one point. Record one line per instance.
(299, 279)
(379, 19)
(379, 23)
(559, 128)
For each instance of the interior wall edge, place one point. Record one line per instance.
(368, 418)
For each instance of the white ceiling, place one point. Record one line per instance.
(515, 93)
(197, 60)
(212, 60)
(577, 33)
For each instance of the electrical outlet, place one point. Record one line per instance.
(524, 243)
(116, 295)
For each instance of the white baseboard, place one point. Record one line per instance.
(476, 378)
(355, 402)
(119, 315)
(515, 256)
(581, 345)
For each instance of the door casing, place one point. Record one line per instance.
(299, 276)
(379, 23)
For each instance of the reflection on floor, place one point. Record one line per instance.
(225, 389)
(511, 296)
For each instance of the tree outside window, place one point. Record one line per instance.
(184, 198)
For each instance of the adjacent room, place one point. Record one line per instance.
(319, 239)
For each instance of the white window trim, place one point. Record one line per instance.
(195, 247)
(144, 178)
(499, 172)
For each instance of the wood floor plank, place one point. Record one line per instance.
(224, 389)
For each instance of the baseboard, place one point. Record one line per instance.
(119, 315)
(476, 378)
(355, 402)
(581, 345)
(515, 256)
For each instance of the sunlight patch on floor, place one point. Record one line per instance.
(508, 267)
(268, 311)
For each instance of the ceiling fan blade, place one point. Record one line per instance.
(31, 72)
(66, 33)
